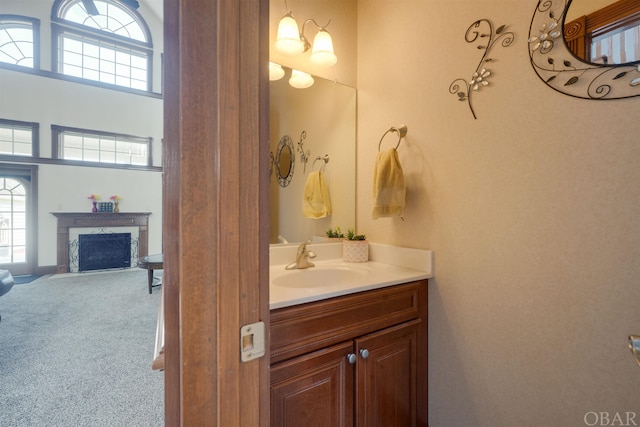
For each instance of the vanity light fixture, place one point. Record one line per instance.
(322, 51)
(290, 41)
(300, 79)
(276, 72)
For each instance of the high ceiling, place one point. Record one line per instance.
(156, 6)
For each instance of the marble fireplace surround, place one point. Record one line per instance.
(67, 220)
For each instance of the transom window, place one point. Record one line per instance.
(112, 18)
(18, 40)
(18, 138)
(112, 46)
(101, 147)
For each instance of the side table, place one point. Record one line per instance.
(150, 263)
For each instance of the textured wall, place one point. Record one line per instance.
(532, 211)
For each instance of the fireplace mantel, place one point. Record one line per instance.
(67, 220)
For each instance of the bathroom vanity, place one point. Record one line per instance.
(354, 360)
(348, 342)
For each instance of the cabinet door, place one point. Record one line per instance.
(386, 373)
(314, 390)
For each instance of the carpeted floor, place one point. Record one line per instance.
(76, 350)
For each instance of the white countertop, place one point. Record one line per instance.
(388, 265)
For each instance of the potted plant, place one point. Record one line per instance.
(335, 234)
(355, 247)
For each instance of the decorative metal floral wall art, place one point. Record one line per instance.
(564, 72)
(304, 155)
(482, 33)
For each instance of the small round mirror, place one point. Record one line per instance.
(285, 160)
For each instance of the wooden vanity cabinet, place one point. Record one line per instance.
(314, 390)
(357, 360)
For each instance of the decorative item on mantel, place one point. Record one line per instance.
(116, 202)
(479, 77)
(105, 207)
(355, 248)
(94, 199)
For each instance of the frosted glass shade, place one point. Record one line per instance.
(322, 51)
(300, 80)
(276, 72)
(288, 38)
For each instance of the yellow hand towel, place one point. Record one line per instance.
(388, 185)
(315, 199)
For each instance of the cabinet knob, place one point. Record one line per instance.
(351, 358)
(364, 353)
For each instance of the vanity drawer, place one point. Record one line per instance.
(307, 327)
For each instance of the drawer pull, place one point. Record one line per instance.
(364, 353)
(351, 358)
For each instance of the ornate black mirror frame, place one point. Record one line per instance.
(285, 162)
(561, 70)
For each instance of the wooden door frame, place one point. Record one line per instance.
(215, 209)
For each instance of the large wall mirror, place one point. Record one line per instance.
(587, 48)
(321, 123)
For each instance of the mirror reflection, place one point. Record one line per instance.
(321, 122)
(285, 161)
(603, 31)
(554, 60)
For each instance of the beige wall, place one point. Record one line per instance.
(533, 211)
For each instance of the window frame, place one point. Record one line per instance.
(60, 27)
(56, 148)
(35, 136)
(28, 176)
(580, 32)
(35, 28)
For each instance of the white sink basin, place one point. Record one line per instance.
(320, 276)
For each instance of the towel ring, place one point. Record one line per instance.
(401, 131)
(325, 158)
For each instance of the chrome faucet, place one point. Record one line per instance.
(302, 258)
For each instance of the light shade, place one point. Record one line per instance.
(288, 38)
(300, 80)
(322, 51)
(276, 72)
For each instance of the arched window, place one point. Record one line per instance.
(110, 44)
(13, 221)
(19, 40)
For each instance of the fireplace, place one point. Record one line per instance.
(111, 221)
(104, 251)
